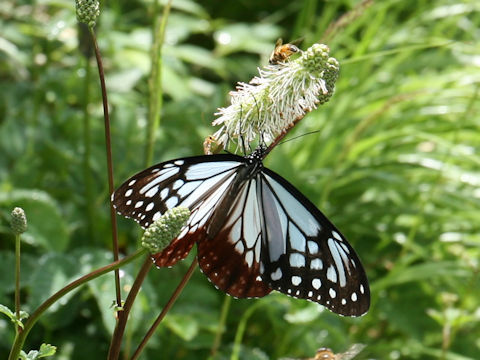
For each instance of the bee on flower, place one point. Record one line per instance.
(278, 98)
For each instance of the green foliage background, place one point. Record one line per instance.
(395, 165)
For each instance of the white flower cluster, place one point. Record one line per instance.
(281, 96)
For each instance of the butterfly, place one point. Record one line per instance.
(255, 232)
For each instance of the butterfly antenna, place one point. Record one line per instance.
(299, 136)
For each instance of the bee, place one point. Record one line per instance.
(327, 354)
(211, 145)
(282, 52)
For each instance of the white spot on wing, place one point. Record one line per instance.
(296, 280)
(337, 236)
(156, 216)
(128, 192)
(331, 274)
(354, 297)
(138, 204)
(132, 182)
(179, 162)
(152, 192)
(164, 193)
(277, 275)
(171, 202)
(312, 247)
(332, 293)
(178, 183)
(297, 260)
(316, 283)
(149, 206)
(316, 264)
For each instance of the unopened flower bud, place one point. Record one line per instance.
(159, 235)
(18, 221)
(87, 11)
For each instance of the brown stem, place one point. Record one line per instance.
(165, 310)
(114, 351)
(283, 134)
(20, 338)
(108, 146)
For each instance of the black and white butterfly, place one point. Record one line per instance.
(255, 232)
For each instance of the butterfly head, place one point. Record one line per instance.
(258, 155)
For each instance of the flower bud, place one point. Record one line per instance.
(159, 234)
(18, 221)
(87, 11)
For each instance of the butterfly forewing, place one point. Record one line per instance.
(194, 182)
(304, 255)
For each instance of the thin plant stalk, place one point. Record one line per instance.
(165, 310)
(155, 80)
(89, 200)
(221, 325)
(20, 338)
(17, 282)
(114, 351)
(108, 146)
(241, 330)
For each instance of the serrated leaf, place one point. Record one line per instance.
(13, 316)
(45, 351)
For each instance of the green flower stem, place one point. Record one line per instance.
(221, 325)
(20, 338)
(17, 281)
(165, 310)
(108, 148)
(114, 350)
(155, 80)
(237, 342)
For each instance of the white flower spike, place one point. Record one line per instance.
(280, 96)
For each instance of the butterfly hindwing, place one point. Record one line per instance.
(304, 255)
(229, 255)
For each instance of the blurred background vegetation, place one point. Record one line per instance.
(395, 165)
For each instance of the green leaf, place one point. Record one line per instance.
(185, 326)
(13, 316)
(45, 351)
(303, 314)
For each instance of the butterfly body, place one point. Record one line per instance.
(255, 232)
